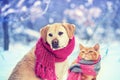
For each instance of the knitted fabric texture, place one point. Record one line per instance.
(87, 67)
(84, 66)
(46, 58)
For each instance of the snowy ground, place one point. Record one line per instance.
(110, 69)
(8, 59)
(110, 63)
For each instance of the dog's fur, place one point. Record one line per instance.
(61, 32)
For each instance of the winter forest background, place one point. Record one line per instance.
(97, 21)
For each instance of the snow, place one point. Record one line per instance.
(110, 62)
(8, 59)
(95, 21)
(20, 3)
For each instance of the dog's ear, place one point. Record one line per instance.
(43, 32)
(70, 28)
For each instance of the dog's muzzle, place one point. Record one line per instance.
(55, 43)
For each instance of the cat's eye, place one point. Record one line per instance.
(60, 33)
(83, 51)
(90, 51)
(50, 34)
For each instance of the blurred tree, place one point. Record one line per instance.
(6, 33)
(5, 28)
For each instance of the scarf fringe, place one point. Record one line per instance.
(47, 73)
(46, 58)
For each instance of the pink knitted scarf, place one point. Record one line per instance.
(46, 58)
(88, 67)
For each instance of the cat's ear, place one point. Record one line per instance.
(81, 46)
(96, 47)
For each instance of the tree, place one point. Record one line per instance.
(5, 28)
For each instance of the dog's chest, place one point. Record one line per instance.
(61, 69)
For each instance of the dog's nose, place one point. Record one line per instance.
(55, 43)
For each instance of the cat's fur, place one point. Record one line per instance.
(88, 54)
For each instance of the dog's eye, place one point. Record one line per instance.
(50, 34)
(60, 33)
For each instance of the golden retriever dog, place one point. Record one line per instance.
(57, 36)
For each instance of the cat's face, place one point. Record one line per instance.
(89, 53)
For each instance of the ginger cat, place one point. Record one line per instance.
(87, 64)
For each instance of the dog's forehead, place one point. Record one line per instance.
(56, 27)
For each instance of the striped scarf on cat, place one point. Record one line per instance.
(89, 67)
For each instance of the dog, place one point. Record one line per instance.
(56, 37)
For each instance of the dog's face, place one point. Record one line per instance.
(58, 35)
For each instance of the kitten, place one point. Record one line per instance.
(87, 64)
